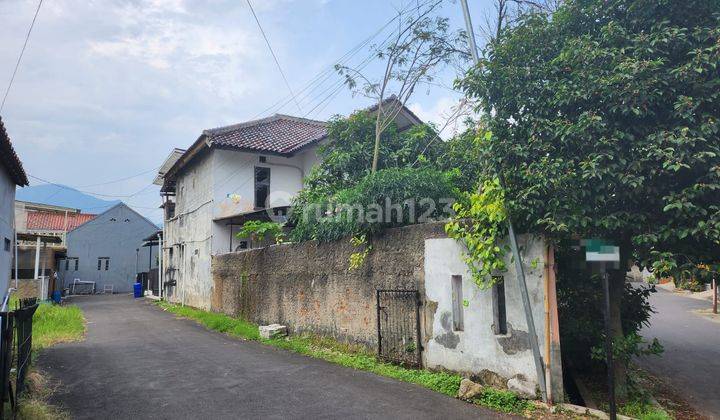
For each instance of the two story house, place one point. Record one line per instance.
(229, 175)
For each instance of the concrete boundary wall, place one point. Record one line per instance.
(309, 288)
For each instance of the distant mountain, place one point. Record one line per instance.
(64, 196)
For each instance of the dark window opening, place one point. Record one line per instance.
(499, 309)
(77, 262)
(67, 265)
(99, 263)
(263, 159)
(7, 244)
(262, 186)
(457, 303)
(169, 210)
(107, 264)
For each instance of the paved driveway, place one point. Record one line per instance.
(141, 362)
(692, 350)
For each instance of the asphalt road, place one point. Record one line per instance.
(691, 360)
(140, 362)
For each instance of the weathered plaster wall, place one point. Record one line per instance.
(218, 184)
(477, 347)
(308, 286)
(189, 236)
(7, 217)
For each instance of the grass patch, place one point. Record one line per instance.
(643, 410)
(53, 324)
(351, 356)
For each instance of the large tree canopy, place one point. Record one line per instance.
(605, 118)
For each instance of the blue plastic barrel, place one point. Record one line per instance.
(137, 289)
(56, 296)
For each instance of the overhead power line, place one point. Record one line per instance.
(22, 51)
(90, 192)
(273, 55)
(115, 181)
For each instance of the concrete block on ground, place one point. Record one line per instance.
(469, 389)
(522, 388)
(273, 331)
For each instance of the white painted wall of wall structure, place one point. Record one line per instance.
(7, 226)
(477, 347)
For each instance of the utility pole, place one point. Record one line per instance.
(519, 271)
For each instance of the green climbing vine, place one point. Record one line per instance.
(480, 223)
(358, 258)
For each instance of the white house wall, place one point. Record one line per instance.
(7, 216)
(477, 348)
(219, 184)
(234, 185)
(189, 234)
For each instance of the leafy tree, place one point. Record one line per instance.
(346, 157)
(388, 198)
(462, 154)
(422, 45)
(605, 118)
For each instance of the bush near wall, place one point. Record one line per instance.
(418, 195)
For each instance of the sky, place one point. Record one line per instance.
(106, 89)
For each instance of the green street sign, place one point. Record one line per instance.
(600, 250)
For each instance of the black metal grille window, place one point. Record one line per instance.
(398, 326)
(262, 186)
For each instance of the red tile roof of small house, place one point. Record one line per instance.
(41, 220)
(9, 159)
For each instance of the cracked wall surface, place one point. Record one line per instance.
(476, 350)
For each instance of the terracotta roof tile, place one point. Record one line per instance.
(40, 220)
(282, 134)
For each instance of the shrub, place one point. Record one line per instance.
(389, 198)
(582, 318)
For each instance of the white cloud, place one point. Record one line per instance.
(447, 113)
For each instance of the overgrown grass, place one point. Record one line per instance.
(643, 410)
(52, 324)
(355, 357)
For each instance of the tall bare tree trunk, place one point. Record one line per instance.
(376, 151)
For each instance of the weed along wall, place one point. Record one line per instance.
(309, 287)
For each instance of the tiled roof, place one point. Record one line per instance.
(282, 134)
(10, 160)
(40, 220)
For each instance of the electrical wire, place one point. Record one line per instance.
(120, 179)
(90, 192)
(22, 51)
(273, 54)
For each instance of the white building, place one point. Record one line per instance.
(12, 174)
(230, 175)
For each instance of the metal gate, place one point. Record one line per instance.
(398, 325)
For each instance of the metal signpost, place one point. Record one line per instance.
(603, 253)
